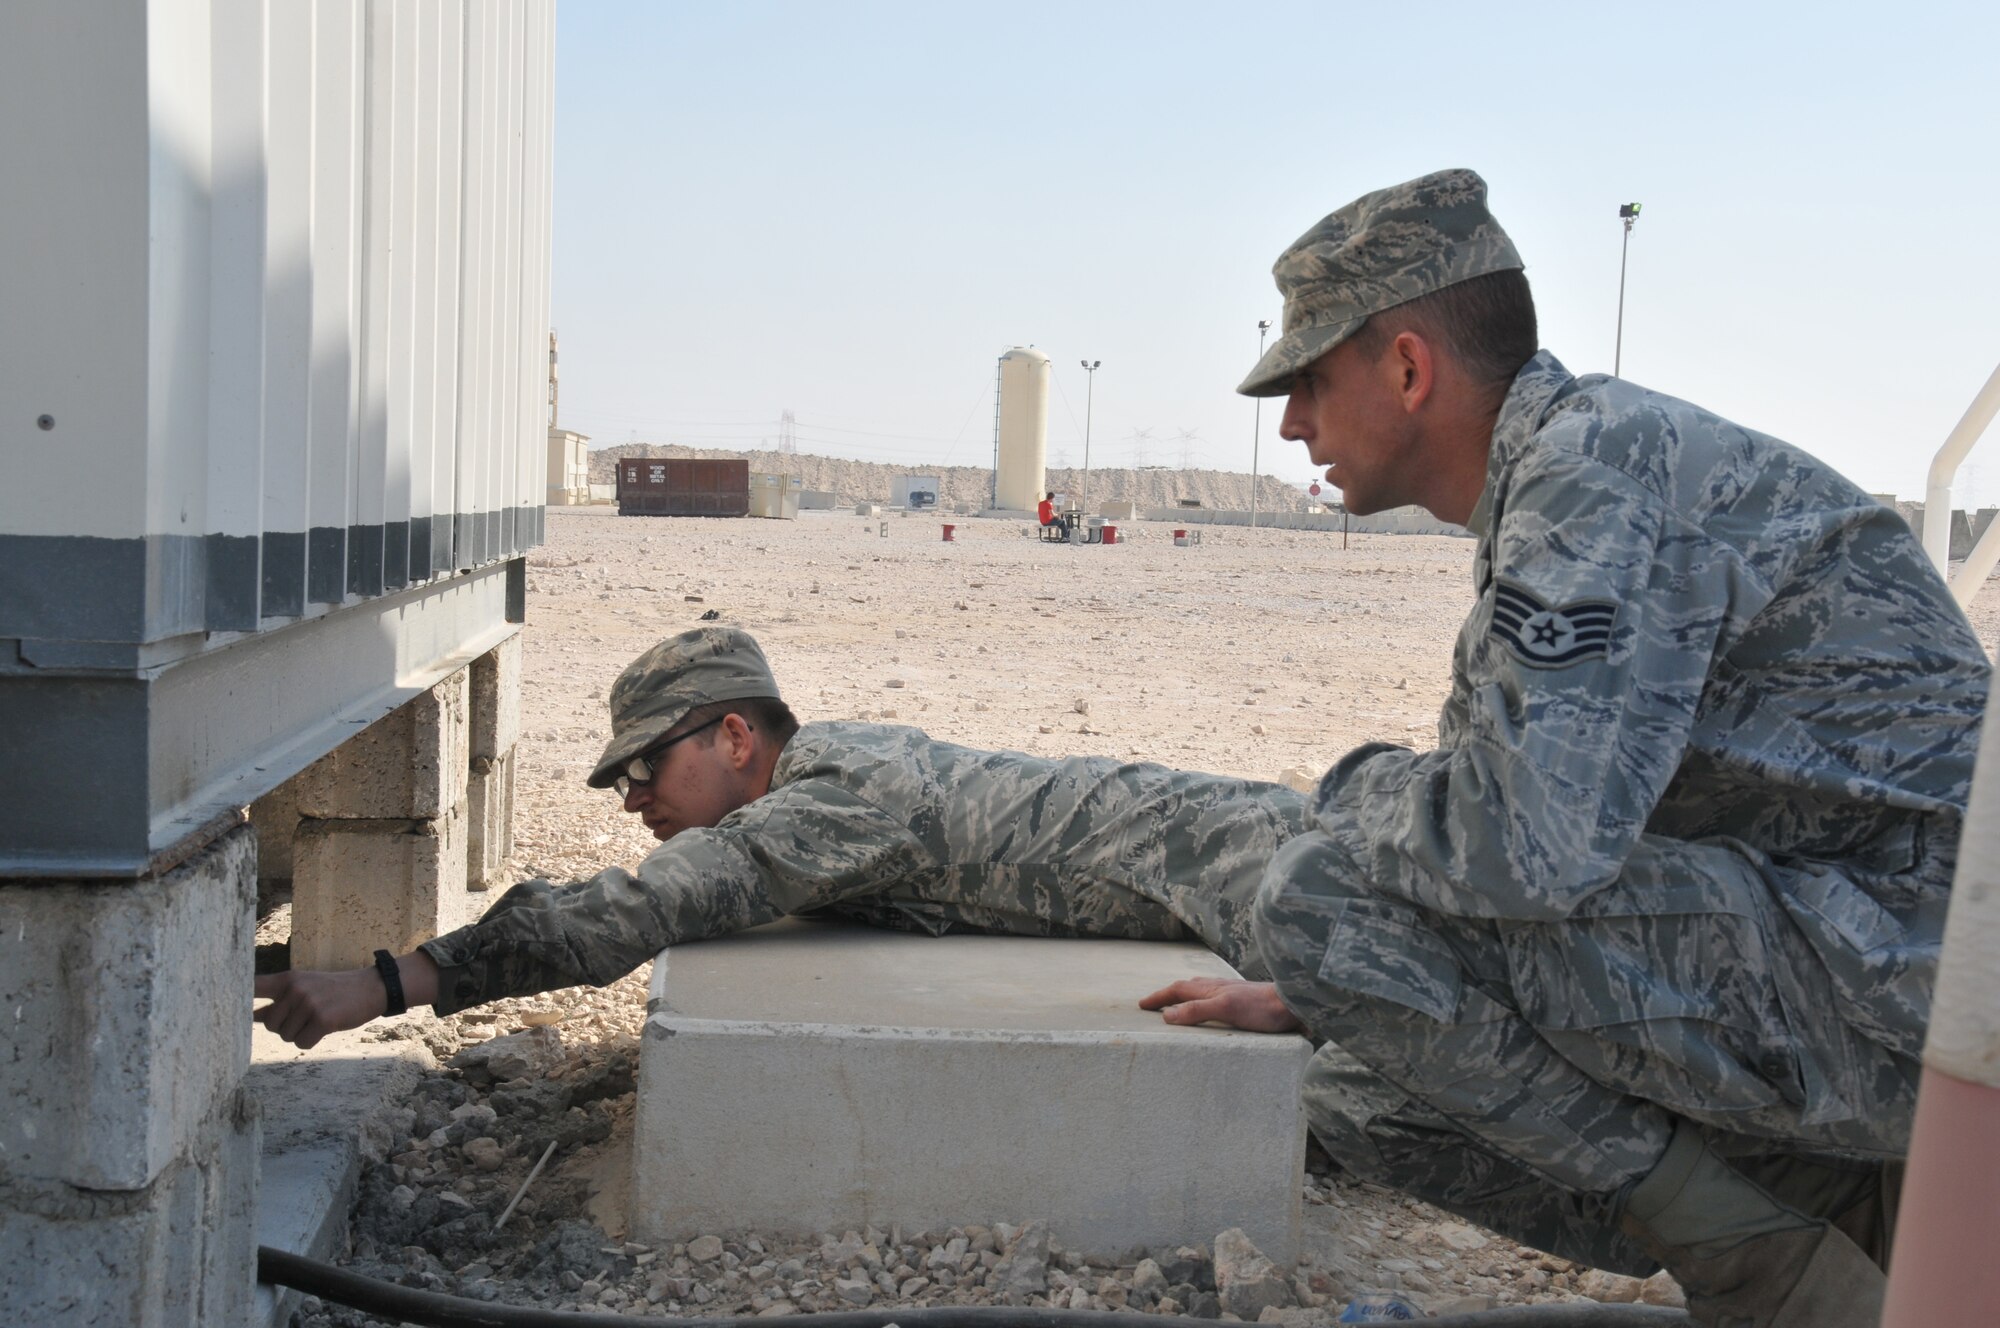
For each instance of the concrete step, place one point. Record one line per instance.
(807, 1077)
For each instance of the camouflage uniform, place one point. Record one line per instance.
(1684, 847)
(882, 824)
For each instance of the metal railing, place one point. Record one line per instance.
(1979, 563)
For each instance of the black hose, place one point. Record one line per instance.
(434, 1310)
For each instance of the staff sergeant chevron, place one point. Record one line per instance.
(1551, 638)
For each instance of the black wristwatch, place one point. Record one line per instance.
(392, 979)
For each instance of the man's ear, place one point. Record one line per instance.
(741, 740)
(1415, 369)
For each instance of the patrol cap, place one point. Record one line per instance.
(1383, 249)
(657, 690)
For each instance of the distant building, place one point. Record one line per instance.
(569, 468)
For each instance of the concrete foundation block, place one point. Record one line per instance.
(489, 802)
(179, 1253)
(363, 885)
(128, 1149)
(409, 763)
(126, 1007)
(275, 818)
(496, 700)
(933, 1081)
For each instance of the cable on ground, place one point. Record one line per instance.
(435, 1310)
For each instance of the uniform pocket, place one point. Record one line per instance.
(1864, 969)
(1376, 949)
(1678, 1008)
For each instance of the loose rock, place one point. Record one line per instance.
(1661, 1289)
(1246, 1282)
(1024, 1270)
(1611, 1288)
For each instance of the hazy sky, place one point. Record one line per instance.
(849, 210)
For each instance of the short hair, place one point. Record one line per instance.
(759, 712)
(1487, 323)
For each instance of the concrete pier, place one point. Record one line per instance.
(394, 836)
(810, 1076)
(128, 1147)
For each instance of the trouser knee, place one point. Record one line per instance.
(1303, 890)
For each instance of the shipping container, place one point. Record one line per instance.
(916, 491)
(650, 486)
(775, 496)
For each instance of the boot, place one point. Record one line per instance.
(1859, 1198)
(1744, 1259)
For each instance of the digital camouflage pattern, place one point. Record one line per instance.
(1688, 860)
(882, 824)
(657, 690)
(1383, 249)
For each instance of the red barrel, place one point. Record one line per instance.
(948, 528)
(1110, 534)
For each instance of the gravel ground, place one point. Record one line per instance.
(1259, 653)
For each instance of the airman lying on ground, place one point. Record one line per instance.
(761, 818)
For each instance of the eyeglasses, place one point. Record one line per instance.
(640, 769)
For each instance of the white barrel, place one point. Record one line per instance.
(1023, 428)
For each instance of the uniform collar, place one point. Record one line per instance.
(1535, 386)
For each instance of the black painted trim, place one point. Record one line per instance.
(440, 553)
(86, 588)
(233, 583)
(395, 555)
(420, 548)
(72, 586)
(284, 593)
(326, 564)
(364, 560)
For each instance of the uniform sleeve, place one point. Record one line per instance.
(801, 847)
(1580, 673)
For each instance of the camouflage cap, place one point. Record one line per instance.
(657, 690)
(1383, 249)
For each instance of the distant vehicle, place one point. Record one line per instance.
(915, 491)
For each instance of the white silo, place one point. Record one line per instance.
(1021, 430)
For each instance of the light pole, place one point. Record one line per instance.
(1257, 425)
(1629, 212)
(1089, 393)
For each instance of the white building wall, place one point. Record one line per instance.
(277, 275)
(274, 300)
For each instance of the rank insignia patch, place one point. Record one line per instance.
(1549, 637)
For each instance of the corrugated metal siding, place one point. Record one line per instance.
(306, 360)
(683, 487)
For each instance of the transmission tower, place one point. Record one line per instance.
(1142, 447)
(1188, 441)
(788, 433)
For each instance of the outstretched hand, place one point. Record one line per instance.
(1252, 1006)
(306, 1005)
